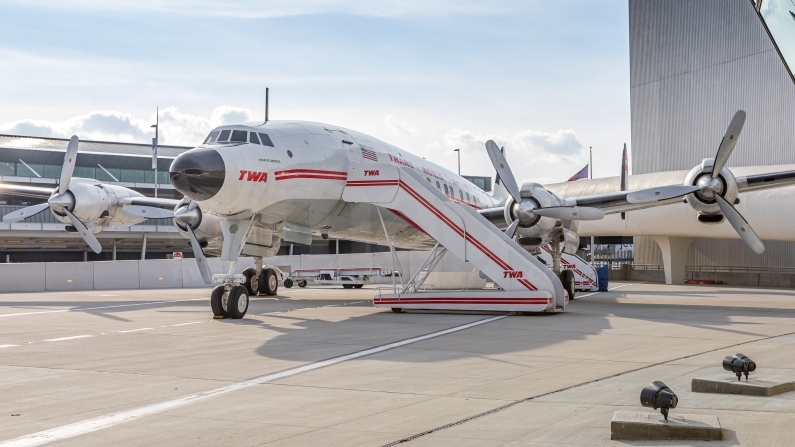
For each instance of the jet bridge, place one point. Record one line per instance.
(527, 285)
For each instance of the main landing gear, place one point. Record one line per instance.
(231, 299)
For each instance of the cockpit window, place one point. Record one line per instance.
(239, 136)
(252, 138)
(212, 137)
(224, 136)
(266, 140)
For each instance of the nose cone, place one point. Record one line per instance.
(198, 173)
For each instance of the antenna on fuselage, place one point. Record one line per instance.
(266, 105)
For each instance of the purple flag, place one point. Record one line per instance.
(583, 173)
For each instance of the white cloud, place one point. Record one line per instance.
(399, 126)
(280, 8)
(175, 128)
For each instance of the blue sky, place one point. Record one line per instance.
(548, 79)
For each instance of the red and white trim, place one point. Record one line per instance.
(291, 174)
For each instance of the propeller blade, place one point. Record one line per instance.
(88, 236)
(68, 165)
(651, 195)
(146, 212)
(24, 213)
(728, 142)
(503, 170)
(571, 213)
(201, 260)
(512, 229)
(747, 234)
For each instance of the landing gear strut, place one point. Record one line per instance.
(566, 276)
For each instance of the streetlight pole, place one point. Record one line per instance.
(459, 160)
(590, 174)
(154, 145)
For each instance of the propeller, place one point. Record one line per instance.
(571, 213)
(69, 160)
(503, 170)
(187, 217)
(88, 236)
(729, 141)
(747, 234)
(24, 213)
(512, 229)
(660, 193)
(146, 212)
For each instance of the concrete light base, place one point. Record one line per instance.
(769, 383)
(641, 426)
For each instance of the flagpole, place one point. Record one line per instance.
(156, 125)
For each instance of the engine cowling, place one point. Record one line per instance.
(205, 225)
(533, 230)
(703, 201)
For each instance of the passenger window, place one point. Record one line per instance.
(428, 178)
(239, 136)
(224, 135)
(252, 138)
(467, 197)
(212, 137)
(461, 195)
(266, 140)
(438, 186)
(446, 191)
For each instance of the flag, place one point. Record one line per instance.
(369, 153)
(583, 173)
(154, 153)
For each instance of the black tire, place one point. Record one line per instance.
(567, 278)
(237, 303)
(301, 283)
(252, 281)
(217, 302)
(288, 282)
(347, 286)
(397, 310)
(268, 282)
(358, 286)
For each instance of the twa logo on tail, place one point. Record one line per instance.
(253, 176)
(515, 274)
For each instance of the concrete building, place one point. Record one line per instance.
(692, 66)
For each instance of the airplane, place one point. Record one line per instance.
(88, 206)
(290, 179)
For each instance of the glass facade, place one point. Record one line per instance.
(779, 16)
(52, 171)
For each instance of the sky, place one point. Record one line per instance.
(546, 79)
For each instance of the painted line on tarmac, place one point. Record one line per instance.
(8, 346)
(136, 330)
(185, 324)
(74, 337)
(102, 422)
(84, 309)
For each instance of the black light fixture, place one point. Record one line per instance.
(658, 395)
(739, 364)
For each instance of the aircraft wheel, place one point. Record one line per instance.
(567, 278)
(268, 283)
(288, 283)
(301, 283)
(252, 281)
(218, 302)
(237, 304)
(347, 286)
(397, 310)
(358, 286)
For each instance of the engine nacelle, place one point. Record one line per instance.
(205, 225)
(90, 202)
(533, 230)
(703, 201)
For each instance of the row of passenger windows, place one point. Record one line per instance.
(238, 136)
(450, 191)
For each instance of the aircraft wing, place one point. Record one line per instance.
(166, 204)
(26, 191)
(764, 181)
(622, 201)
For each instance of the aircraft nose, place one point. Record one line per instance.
(198, 173)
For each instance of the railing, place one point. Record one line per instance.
(708, 268)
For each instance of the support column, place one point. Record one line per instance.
(291, 249)
(674, 254)
(85, 254)
(114, 249)
(143, 249)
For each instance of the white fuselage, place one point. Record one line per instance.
(301, 177)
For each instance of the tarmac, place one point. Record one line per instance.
(321, 366)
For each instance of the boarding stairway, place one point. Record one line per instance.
(527, 284)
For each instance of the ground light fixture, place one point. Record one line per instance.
(658, 395)
(739, 364)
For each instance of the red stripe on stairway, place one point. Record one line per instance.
(407, 220)
(430, 300)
